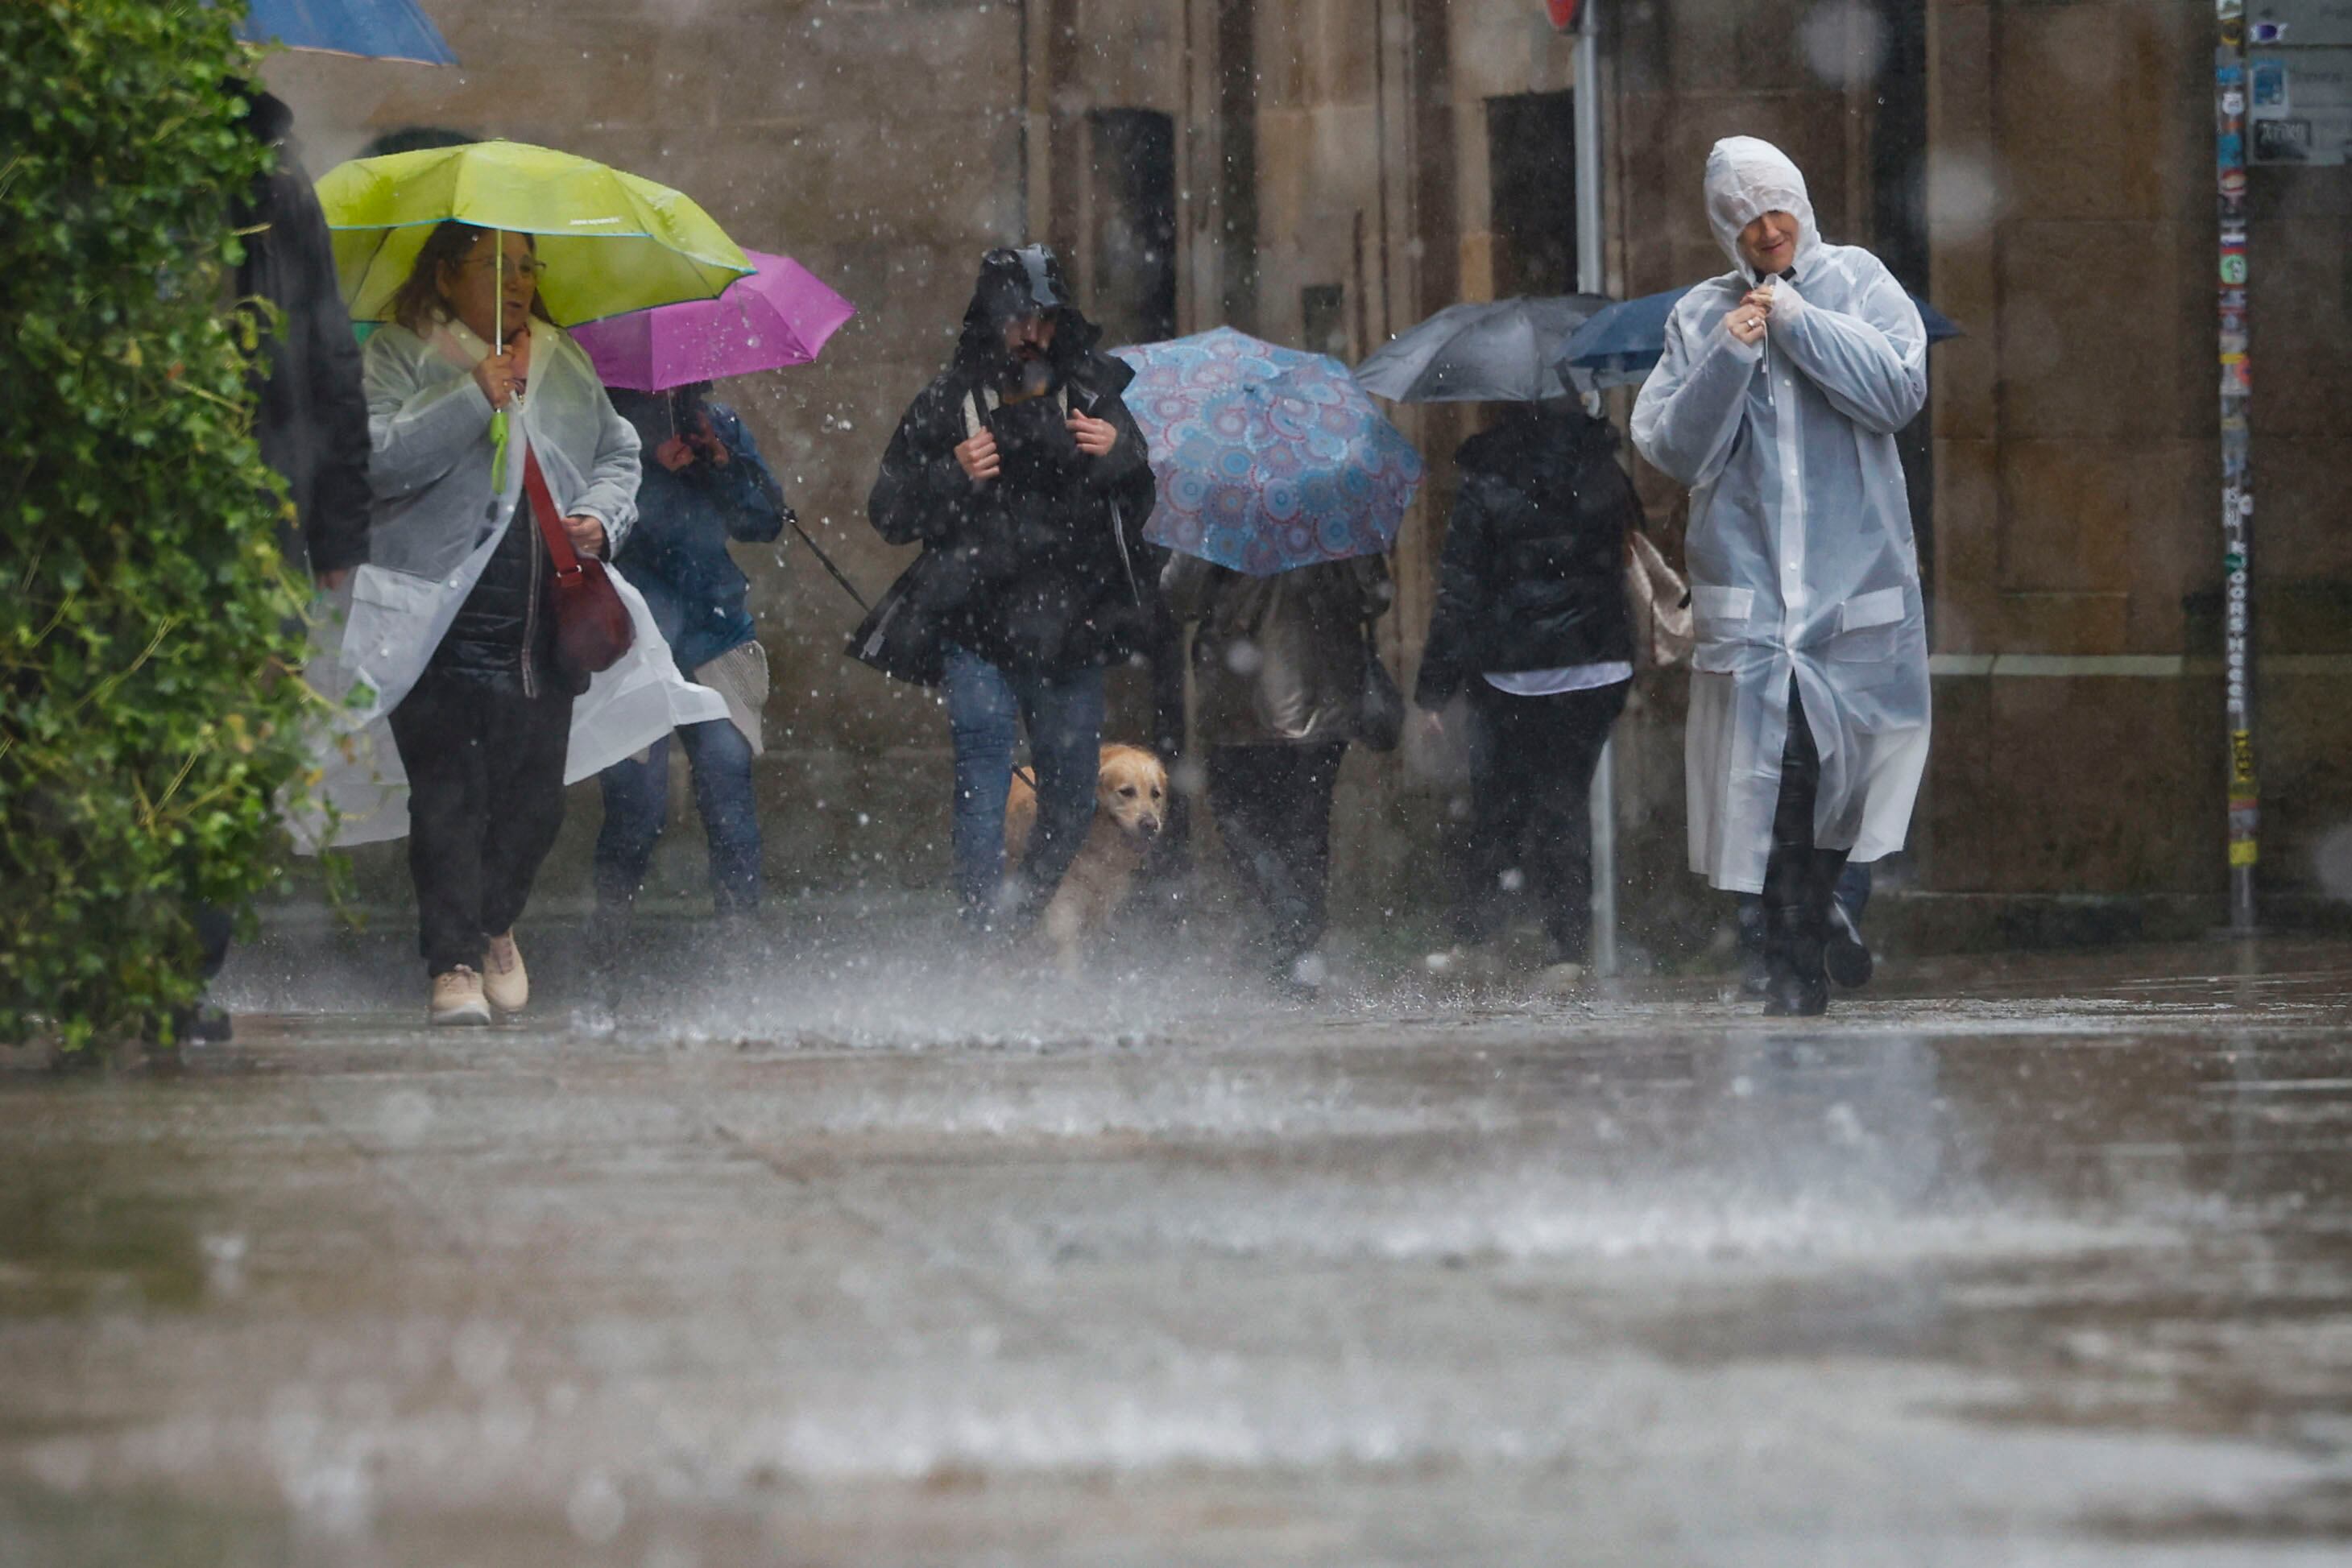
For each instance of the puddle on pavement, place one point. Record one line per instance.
(87, 1233)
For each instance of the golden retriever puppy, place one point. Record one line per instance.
(1131, 804)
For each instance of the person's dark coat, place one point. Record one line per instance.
(311, 417)
(1533, 574)
(503, 638)
(1279, 659)
(1042, 569)
(677, 554)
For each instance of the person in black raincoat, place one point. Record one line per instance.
(1024, 477)
(310, 418)
(1532, 626)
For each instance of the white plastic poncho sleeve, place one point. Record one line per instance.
(1870, 360)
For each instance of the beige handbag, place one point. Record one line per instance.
(1663, 629)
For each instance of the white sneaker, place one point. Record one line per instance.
(457, 999)
(505, 982)
(1459, 963)
(1558, 980)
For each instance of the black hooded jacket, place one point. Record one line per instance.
(311, 418)
(1533, 575)
(1042, 569)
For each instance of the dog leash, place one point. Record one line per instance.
(793, 519)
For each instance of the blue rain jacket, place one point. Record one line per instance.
(677, 554)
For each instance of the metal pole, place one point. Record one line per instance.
(1592, 277)
(2229, 91)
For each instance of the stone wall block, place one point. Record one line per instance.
(2062, 622)
(2069, 511)
(2104, 783)
(2174, 550)
(2085, 347)
(1967, 508)
(2302, 307)
(1501, 50)
(2303, 514)
(2073, 109)
(1956, 830)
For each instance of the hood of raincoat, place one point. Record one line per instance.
(1014, 284)
(267, 118)
(1747, 178)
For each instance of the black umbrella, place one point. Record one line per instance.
(1500, 352)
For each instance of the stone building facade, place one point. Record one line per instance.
(1325, 173)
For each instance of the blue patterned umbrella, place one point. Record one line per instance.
(372, 30)
(1268, 459)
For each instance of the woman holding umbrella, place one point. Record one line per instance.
(458, 694)
(483, 732)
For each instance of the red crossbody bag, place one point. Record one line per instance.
(593, 629)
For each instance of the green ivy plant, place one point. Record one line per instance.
(148, 624)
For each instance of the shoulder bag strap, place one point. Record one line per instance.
(551, 525)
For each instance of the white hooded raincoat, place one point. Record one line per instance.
(1802, 558)
(435, 523)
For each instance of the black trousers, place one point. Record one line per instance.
(1531, 766)
(1799, 879)
(485, 804)
(1272, 806)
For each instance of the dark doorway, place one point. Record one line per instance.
(1323, 318)
(1531, 166)
(1133, 221)
(1898, 231)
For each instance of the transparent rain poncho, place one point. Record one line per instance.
(1802, 558)
(438, 516)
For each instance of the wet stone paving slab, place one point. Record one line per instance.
(2040, 1261)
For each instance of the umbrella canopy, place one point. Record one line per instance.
(1621, 345)
(1503, 352)
(372, 30)
(611, 242)
(1267, 459)
(781, 315)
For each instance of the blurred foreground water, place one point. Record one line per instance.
(858, 1253)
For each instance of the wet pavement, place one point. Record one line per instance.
(869, 1260)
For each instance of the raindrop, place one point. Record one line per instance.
(596, 1510)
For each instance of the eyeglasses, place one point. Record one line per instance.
(529, 266)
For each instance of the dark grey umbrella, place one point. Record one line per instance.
(1501, 352)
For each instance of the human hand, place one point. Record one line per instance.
(1750, 318)
(332, 582)
(705, 440)
(1433, 720)
(674, 453)
(587, 534)
(979, 459)
(500, 378)
(1095, 438)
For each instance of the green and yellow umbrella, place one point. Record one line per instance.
(612, 242)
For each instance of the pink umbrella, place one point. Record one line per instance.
(781, 315)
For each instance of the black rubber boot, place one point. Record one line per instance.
(1845, 955)
(1795, 985)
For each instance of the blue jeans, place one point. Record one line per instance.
(986, 708)
(637, 806)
